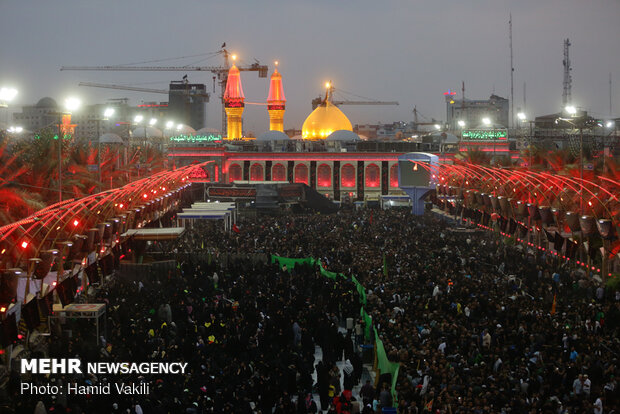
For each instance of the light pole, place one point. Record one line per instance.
(71, 104)
(608, 125)
(106, 115)
(168, 126)
(138, 120)
(572, 112)
(6, 96)
(523, 118)
(152, 123)
(486, 121)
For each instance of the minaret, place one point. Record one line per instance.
(276, 102)
(233, 102)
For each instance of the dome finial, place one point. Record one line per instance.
(329, 89)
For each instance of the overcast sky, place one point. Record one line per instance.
(411, 51)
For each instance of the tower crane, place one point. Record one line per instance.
(220, 71)
(137, 89)
(329, 96)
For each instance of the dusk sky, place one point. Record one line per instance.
(411, 51)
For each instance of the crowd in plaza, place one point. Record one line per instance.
(477, 324)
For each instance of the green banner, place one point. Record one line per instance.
(383, 363)
(367, 323)
(386, 366)
(291, 262)
(331, 275)
(360, 290)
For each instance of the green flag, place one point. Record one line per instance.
(386, 366)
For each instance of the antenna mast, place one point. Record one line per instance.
(610, 94)
(512, 71)
(568, 80)
(524, 100)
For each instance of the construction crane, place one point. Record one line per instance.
(417, 115)
(220, 71)
(147, 90)
(186, 92)
(331, 89)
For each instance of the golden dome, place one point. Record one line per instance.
(324, 120)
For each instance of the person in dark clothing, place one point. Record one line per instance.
(367, 393)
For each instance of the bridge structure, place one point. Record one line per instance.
(568, 217)
(67, 237)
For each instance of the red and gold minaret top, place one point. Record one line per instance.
(276, 98)
(233, 96)
(233, 104)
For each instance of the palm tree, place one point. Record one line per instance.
(16, 201)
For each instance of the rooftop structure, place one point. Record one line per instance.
(234, 103)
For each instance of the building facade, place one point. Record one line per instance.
(472, 112)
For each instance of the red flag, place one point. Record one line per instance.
(371, 218)
(553, 306)
(236, 229)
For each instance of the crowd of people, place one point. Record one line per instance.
(477, 324)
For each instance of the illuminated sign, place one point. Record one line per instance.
(484, 134)
(232, 192)
(275, 107)
(66, 136)
(290, 191)
(196, 138)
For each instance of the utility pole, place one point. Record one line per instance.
(610, 114)
(512, 71)
(567, 83)
(100, 185)
(60, 158)
(581, 169)
(524, 100)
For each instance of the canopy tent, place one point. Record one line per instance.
(227, 212)
(82, 311)
(166, 233)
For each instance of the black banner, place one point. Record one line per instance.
(558, 242)
(513, 226)
(8, 330)
(30, 314)
(571, 248)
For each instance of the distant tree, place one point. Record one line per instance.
(16, 201)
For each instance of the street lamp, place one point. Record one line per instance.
(461, 123)
(138, 120)
(486, 121)
(521, 116)
(107, 113)
(71, 104)
(6, 96)
(572, 111)
(15, 129)
(608, 125)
